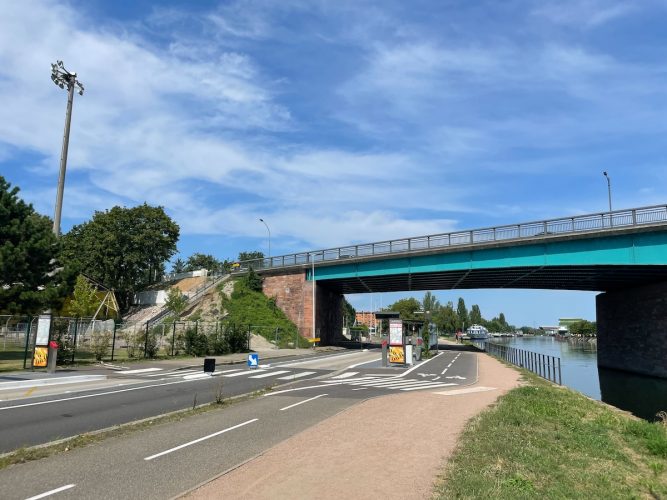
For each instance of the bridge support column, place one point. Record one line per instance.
(632, 330)
(294, 296)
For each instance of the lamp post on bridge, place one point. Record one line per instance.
(608, 194)
(267, 228)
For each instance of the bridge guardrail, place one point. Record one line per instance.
(553, 227)
(542, 365)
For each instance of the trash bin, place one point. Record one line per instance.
(209, 365)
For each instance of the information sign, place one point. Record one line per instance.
(396, 354)
(40, 356)
(253, 360)
(43, 329)
(395, 332)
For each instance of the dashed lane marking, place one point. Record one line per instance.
(52, 492)
(302, 402)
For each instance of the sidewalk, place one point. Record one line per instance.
(391, 447)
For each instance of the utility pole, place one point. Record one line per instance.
(267, 228)
(608, 195)
(64, 78)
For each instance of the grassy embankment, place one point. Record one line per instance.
(544, 441)
(250, 307)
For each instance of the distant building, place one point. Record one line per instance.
(366, 318)
(567, 322)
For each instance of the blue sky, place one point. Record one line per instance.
(341, 122)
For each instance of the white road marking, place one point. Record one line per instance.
(345, 375)
(430, 387)
(270, 374)
(91, 395)
(296, 375)
(456, 377)
(318, 359)
(417, 366)
(190, 443)
(302, 402)
(360, 389)
(195, 376)
(142, 370)
(52, 492)
(375, 360)
(300, 389)
(465, 391)
(243, 372)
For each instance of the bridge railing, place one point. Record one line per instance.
(542, 365)
(538, 229)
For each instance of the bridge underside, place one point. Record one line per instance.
(592, 278)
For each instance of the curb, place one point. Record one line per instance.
(23, 384)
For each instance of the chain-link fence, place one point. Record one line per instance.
(87, 340)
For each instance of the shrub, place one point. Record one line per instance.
(99, 343)
(196, 343)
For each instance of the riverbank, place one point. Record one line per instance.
(540, 440)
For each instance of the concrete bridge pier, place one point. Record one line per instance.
(632, 329)
(294, 296)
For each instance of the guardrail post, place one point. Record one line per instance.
(173, 338)
(560, 382)
(634, 217)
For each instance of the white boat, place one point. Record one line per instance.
(477, 332)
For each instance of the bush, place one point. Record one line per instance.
(133, 342)
(196, 343)
(99, 343)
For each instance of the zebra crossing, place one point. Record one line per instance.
(196, 373)
(382, 382)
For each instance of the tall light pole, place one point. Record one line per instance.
(64, 78)
(267, 228)
(608, 188)
(312, 277)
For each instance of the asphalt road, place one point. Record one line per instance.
(167, 459)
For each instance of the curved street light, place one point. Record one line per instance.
(63, 78)
(267, 228)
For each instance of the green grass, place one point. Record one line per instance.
(545, 441)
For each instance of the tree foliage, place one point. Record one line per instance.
(584, 328)
(475, 315)
(250, 255)
(445, 318)
(462, 315)
(203, 261)
(176, 302)
(28, 249)
(124, 248)
(84, 301)
(178, 266)
(349, 313)
(406, 307)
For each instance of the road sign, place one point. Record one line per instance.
(253, 360)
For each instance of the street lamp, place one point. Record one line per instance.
(64, 78)
(608, 188)
(267, 228)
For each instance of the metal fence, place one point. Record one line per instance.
(543, 365)
(87, 340)
(538, 229)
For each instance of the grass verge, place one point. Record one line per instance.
(540, 440)
(23, 455)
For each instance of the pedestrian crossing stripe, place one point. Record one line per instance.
(270, 374)
(296, 375)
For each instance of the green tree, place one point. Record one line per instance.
(203, 261)
(123, 248)
(445, 318)
(462, 319)
(406, 307)
(28, 250)
(476, 315)
(176, 302)
(252, 281)
(85, 300)
(178, 266)
(250, 255)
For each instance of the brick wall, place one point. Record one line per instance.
(632, 330)
(294, 297)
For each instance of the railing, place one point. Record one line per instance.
(529, 230)
(542, 365)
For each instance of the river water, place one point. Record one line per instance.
(643, 396)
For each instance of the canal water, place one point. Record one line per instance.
(643, 396)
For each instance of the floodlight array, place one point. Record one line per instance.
(63, 78)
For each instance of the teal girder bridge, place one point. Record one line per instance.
(621, 253)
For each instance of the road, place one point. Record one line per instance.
(167, 459)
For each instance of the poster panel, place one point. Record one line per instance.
(395, 332)
(43, 328)
(40, 357)
(396, 354)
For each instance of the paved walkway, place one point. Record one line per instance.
(392, 447)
